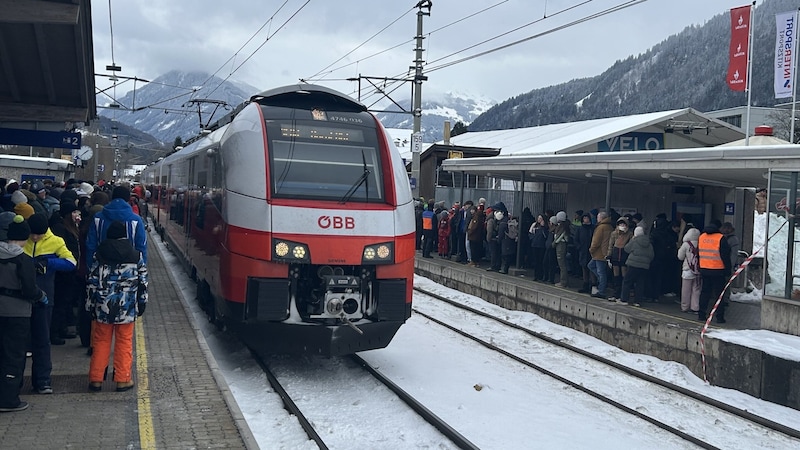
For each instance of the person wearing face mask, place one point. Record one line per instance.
(493, 235)
(617, 255)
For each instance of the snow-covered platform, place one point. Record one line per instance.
(180, 399)
(734, 359)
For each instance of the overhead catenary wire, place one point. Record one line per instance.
(321, 74)
(361, 44)
(587, 18)
(544, 16)
(260, 46)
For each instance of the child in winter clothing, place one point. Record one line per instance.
(117, 295)
(18, 292)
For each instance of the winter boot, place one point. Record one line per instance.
(586, 288)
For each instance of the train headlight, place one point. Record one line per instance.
(290, 251)
(382, 253)
(281, 249)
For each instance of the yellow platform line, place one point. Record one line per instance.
(147, 436)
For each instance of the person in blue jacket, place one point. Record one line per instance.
(118, 209)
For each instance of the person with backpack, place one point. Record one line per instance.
(509, 231)
(691, 281)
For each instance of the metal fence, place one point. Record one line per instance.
(538, 202)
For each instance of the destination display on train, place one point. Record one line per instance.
(321, 133)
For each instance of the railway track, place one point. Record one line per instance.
(720, 410)
(307, 423)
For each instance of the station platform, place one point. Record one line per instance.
(180, 400)
(656, 329)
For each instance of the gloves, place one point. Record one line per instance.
(41, 265)
(141, 307)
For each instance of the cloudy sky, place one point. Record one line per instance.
(279, 42)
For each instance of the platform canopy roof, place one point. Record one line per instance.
(46, 63)
(704, 166)
(568, 153)
(680, 127)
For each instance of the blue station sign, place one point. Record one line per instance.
(35, 138)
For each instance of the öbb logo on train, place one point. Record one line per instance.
(336, 222)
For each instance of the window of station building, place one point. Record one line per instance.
(735, 120)
(781, 227)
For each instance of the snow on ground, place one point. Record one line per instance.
(424, 356)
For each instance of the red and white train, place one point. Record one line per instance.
(296, 219)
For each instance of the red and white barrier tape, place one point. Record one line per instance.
(736, 273)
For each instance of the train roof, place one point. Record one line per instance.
(304, 95)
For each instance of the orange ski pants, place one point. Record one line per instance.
(102, 334)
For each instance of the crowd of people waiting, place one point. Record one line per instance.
(69, 247)
(616, 257)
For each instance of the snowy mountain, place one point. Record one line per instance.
(173, 104)
(167, 107)
(455, 107)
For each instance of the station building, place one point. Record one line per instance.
(674, 162)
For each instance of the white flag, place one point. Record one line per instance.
(784, 53)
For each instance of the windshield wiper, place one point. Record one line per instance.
(361, 180)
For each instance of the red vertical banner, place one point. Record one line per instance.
(740, 43)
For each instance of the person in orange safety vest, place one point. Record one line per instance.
(715, 268)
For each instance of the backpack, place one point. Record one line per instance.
(513, 229)
(694, 260)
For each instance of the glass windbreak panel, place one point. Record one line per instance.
(783, 267)
(326, 164)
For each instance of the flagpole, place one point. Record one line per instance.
(794, 76)
(749, 74)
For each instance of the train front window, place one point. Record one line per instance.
(326, 169)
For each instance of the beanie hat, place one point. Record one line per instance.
(622, 220)
(38, 224)
(66, 208)
(638, 231)
(5, 219)
(561, 216)
(482, 201)
(18, 229)
(637, 216)
(24, 209)
(37, 187)
(554, 220)
(69, 196)
(18, 197)
(125, 193)
(86, 188)
(117, 230)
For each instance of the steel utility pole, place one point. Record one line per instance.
(416, 138)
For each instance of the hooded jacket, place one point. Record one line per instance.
(117, 285)
(117, 209)
(685, 252)
(602, 233)
(640, 252)
(50, 255)
(18, 290)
